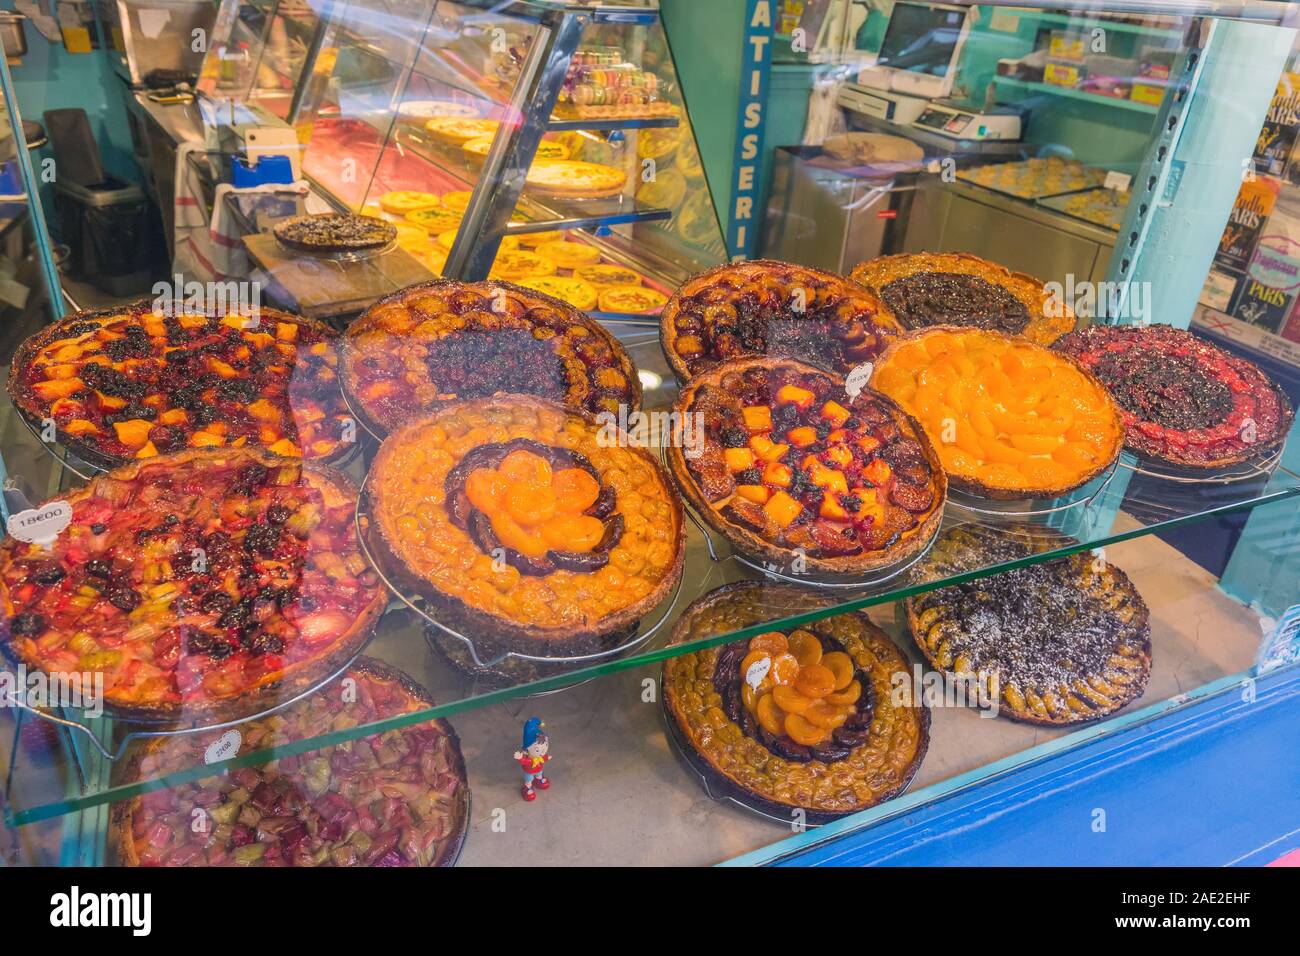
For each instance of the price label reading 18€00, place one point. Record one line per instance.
(40, 525)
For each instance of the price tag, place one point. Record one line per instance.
(40, 525)
(1118, 181)
(757, 671)
(857, 378)
(224, 747)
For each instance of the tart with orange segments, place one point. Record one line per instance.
(794, 719)
(203, 585)
(925, 289)
(773, 308)
(526, 521)
(444, 340)
(132, 382)
(797, 474)
(1011, 420)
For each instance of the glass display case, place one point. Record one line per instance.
(789, 559)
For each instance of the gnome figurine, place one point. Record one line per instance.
(532, 758)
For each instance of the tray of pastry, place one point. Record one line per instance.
(1035, 178)
(1101, 207)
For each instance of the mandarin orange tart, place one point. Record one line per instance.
(1010, 420)
(520, 518)
(132, 382)
(1057, 642)
(445, 340)
(400, 798)
(773, 308)
(793, 719)
(205, 584)
(924, 289)
(794, 472)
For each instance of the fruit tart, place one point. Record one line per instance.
(334, 232)
(1184, 400)
(1058, 642)
(202, 585)
(801, 718)
(1011, 420)
(797, 474)
(526, 521)
(924, 289)
(446, 340)
(400, 798)
(773, 308)
(132, 382)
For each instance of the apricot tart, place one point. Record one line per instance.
(795, 473)
(201, 585)
(1011, 420)
(1184, 400)
(1058, 642)
(400, 798)
(773, 308)
(131, 383)
(924, 289)
(446, 340)
(796, 718)
(527, 521)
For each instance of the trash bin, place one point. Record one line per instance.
(109, 231)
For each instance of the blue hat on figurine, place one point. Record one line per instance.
(532, 730)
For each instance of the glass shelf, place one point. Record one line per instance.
(1125, 517)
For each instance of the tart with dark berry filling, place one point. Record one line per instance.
(442, 341)
(924, 289)
(773, 308)
(1184, 400)
(794, 472)
(130, 383)
(334, 232)
(400, 798)
(526, 523)
(203, 585)
(793, 719)
(1059, 642)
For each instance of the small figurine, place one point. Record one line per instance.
(532, 758)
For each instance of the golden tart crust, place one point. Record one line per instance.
(733, 761)
(414, 498)
(1059, 642)
(1010, 420)
(925, 289)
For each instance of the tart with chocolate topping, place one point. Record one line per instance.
(526, 522)
(445, 340)
(794, 718)
(1184, 400)
(1059, 642)
(955, 288)
(328, 232)
(400, 798)
(794, 472)
(773, 308)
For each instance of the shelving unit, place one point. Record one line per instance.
(1051, 89)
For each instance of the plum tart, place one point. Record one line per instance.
(792, 719)
(203, 585)
(1011, 420)
(133, 382)
(924, 289)
(334, 232)
(1184, 400)
(399, 798)
(1059, 642)
(447, 340)
(795, 473)
(526, 522)
(772, 308)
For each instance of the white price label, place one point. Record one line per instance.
(757, 671)
(224, 747)
(40, 525)
(1118, 181)
(857, 379)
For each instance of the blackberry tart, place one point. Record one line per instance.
(203, 586)
(797, 474)
(1059, 642)
(795, 718)
(528, 526)
(924, 289)
(334, 232)
(1185, 401)
(131, 383)
(445, 340)
(773, 308)
(400, 798)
